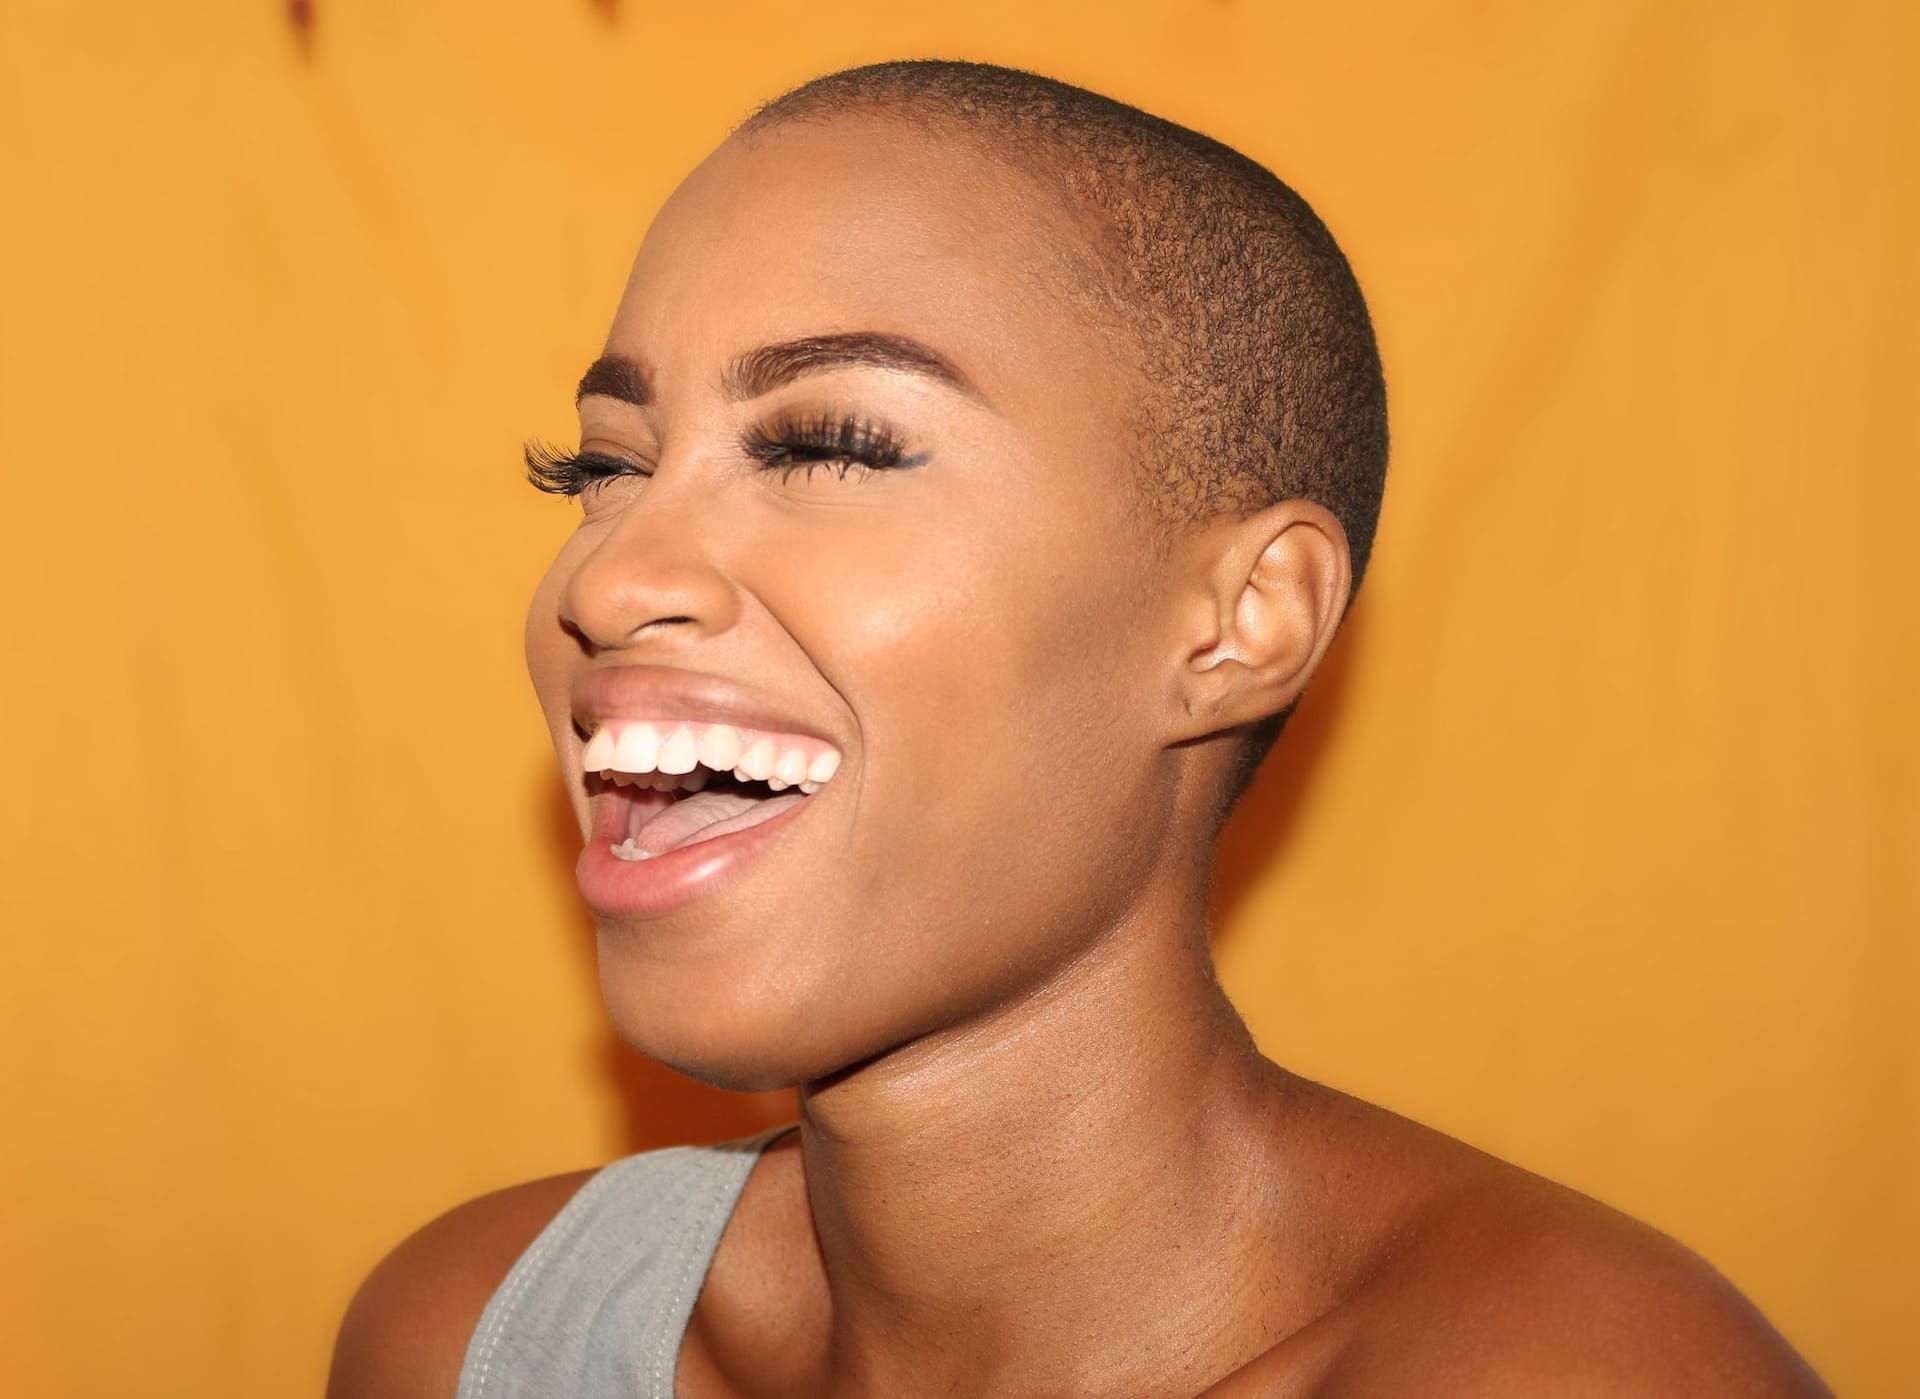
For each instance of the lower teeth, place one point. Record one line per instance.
(627, 850)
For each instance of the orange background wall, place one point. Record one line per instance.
(1599, 846)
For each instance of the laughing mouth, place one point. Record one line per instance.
(676, 784)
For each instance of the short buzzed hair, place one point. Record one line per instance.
(1261, 378)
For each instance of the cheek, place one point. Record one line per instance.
(994, 837)
(987, 665)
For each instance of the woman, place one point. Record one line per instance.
(976, 473)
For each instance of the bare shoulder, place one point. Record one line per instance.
(405, 1332)
(1452, 1273)
(1516, 1285)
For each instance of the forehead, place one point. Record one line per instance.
(866, 224)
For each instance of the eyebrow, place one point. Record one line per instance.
(616, 376)
(770, 367)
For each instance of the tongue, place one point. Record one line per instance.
(705, 815)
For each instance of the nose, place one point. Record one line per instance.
(652, 574)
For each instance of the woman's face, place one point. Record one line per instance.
(970, 618)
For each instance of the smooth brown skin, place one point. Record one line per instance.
(1038, 1152)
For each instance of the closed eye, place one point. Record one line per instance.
(844, 443)
(559, 472)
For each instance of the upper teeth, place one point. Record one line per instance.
(625, 750)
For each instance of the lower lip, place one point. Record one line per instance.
(617, 888)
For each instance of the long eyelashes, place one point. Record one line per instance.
(840, 444)
(559, 472)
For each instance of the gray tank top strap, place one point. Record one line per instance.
(598, 1304)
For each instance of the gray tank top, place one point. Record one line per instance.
(598, 1304)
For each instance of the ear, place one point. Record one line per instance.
(1268, 592)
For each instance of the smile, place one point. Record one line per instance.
(678, 764)
(677, 804)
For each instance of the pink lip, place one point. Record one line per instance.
(614, 887)
(661, 692)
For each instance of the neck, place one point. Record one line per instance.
(1083, 1164)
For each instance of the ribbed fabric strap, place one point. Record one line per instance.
(598, 1304)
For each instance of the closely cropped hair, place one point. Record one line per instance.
(1261, 379)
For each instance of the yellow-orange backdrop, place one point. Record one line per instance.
(1599, 846)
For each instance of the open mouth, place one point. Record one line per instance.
(661, 786)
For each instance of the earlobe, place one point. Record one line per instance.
(1277, 585)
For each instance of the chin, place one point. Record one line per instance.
(739, 1033)
(740, 1058)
